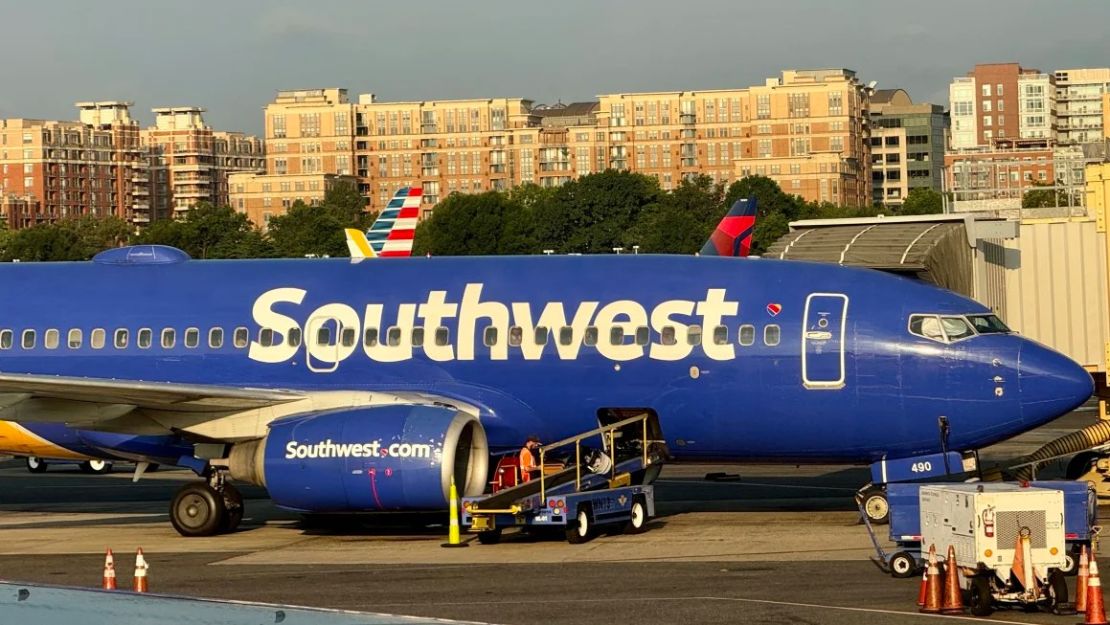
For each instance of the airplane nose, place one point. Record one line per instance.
(1051, 384)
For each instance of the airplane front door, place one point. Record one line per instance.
(823, 338)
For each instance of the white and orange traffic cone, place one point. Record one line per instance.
(924, 586)
(109, 582)
(953, 600)
(140, 584)
(1081, 582)
(1096, 611)
(932, 584)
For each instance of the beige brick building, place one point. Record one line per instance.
(261, 196)
(190, 162)
(806, 129)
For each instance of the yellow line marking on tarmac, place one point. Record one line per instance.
(733, 599)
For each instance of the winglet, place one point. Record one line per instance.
(733, 236)
(357, 244)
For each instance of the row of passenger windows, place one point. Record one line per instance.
(191, 337)
(772, 334)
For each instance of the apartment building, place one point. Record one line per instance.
(997, 179)
(808, 129)
(1079, 104)
(189, 162)
(1002, 101)
(907, 146)
(53, 170)
(261, 196)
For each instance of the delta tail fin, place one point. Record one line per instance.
(393, 230)
(733, 236)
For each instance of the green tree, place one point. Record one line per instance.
(682, 220)
(345, 199)
(594, 213)
(463, 225)
(922, 201)
(99, 233)
(208, 231)
(46, 242)
(311, 230)
(774, 209)
(1044, 197)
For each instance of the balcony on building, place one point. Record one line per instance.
(140, 205)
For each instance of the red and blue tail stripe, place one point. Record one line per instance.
(392, 232)
(733, 236)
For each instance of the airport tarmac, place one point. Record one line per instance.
(775, 545)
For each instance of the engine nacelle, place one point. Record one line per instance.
(393, 457)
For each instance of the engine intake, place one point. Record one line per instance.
(396, 457)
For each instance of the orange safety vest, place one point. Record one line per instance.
(527, 464)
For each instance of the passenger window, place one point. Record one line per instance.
(747, 335)
(28, 339)
(667, 337)
(394, 336)
(516, 336)
(265, 337)
(192, 338)
(418, 337)
(642, 335)
(590, 338)
(927, 326)
(5, 339)
(216, 338)
(294, 337)
(489, 336)
(74, 339)
(956, 328)
(120, 338)
(96, 338)
(443, 335)
(347, 337)
(169, 338)
(144, 338)
(541, 335)
(771, 335)
(370, 337)
(241, 337)
(323, 336)
(616, 336)
(720, 335)
(566, 335)
(693, 335)
(51, 339)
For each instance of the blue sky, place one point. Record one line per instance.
(231, 56)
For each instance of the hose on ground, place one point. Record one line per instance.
(1077, 441)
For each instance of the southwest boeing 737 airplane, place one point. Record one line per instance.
(346, 386)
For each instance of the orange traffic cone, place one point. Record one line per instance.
(932, 584)
(140, 584)
(953, 601)
(1081, 582)
(109, 572)
(924, 586)
(1096, 612)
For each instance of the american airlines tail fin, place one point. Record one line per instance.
(733, 236)
(392, 232)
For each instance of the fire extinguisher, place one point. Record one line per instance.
(988, 522)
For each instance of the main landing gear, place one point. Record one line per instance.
(207, 508)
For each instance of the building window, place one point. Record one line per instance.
(763, 106)
(278, 122)
(986, 121)
(836, 103)
(986, 91)
(798, 105)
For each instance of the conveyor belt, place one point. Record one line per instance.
(559, 483)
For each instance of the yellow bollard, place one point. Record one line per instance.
(453, 537)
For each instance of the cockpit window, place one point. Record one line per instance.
(927, 326)
(988, 324)
(957, 328)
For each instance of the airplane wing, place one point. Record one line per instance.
(92, 401)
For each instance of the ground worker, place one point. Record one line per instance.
(529, 467)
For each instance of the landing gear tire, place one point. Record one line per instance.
(875, 505)
(96, 467)
(233, 503)
(582, 530)
(36, 464)
(980, 601)
(490, 537)
(902, 565)
(637, 524)
(198, 510)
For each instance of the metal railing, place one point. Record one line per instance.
(603, 431)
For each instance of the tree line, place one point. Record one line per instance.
(591, 215)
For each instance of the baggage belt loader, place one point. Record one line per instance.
(594, 486)
(1009, 541)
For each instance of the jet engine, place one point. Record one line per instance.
(393, 457)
